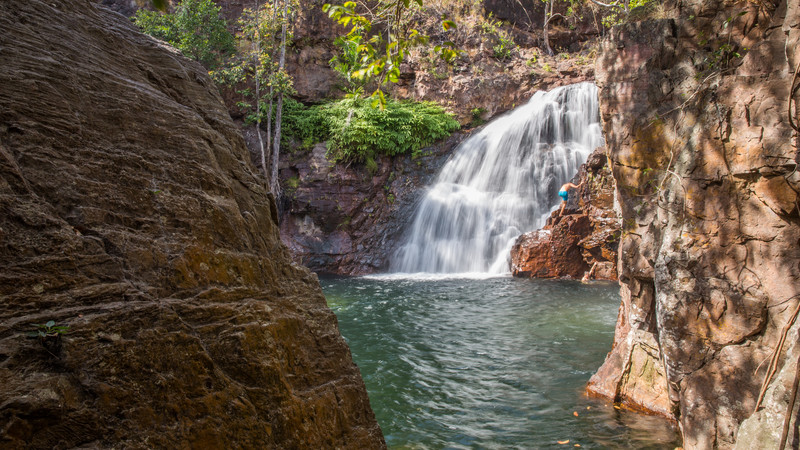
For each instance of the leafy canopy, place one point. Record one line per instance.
(378, 40)
(256, 61)
(195, 28)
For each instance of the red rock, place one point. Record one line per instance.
(585, 236)
(552, 252)
(709, 253)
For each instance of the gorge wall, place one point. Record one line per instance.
(342, 219)
(129, 212)
(697, 124)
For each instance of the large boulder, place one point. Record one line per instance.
(131, 215)
(696, 118)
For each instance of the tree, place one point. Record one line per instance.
(620, 10)
(548, 16)
(278, 82)
(265, 30)
(195, 28)
(378, 41)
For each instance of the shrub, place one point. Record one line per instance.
(195, 28)
(357, 132)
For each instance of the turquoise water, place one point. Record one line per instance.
(497, 363)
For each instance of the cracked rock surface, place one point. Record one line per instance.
(696, 123)
(129, 212)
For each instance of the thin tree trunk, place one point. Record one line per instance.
(547, 15)
(258, 94)
(279, 112)
(269, 132)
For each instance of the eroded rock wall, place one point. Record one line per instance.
(129, 212)
(705, 163)
(342, 219)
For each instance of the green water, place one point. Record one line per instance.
(496, 363)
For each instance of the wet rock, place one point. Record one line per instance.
(553, 251)
(583, 239)
(345, 220)
(131, 214)
(703, 157)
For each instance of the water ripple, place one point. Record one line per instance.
(462, 362)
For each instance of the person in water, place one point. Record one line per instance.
(564, 194)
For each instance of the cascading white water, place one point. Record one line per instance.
(501, 183)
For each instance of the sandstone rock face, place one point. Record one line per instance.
(585, 236)
(485, 83)
(705, 163)
(342, 219)
(131, 215)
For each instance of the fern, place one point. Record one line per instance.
(357, 132)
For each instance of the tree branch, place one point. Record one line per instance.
(554, 16)
(604, 5)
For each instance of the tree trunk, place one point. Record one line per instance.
(548, 13)
(258, 96)
(279, 110)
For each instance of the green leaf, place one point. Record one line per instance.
(448, 24)
(50, 324)
(160, 5)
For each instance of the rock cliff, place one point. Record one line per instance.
(131, 215)
(697, 122)
(583, 239)
(344, 220)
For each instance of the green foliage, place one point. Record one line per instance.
(48, 330)
(306, 125)
(255, 61)
(195, 28)
(293, 183)
(725, 51)
(477, 116)
(348, 62)
(620, 10)
(505, 43)
(370, 56)
(357, 132)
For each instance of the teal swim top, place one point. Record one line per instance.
(563, 194)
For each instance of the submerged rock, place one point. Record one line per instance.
(705, 163)
(131, 215)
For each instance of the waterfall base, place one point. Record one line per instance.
(583, 241)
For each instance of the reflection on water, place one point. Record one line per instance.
(487, 363)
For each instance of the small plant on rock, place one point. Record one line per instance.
(49, 335)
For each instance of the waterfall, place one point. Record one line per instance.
(500, 183)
